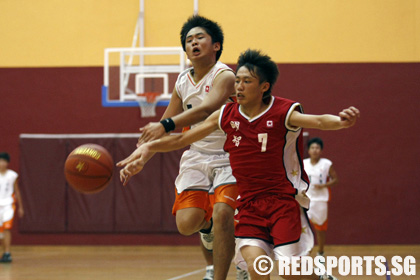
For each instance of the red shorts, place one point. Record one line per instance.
(274, 219)
(201, 199)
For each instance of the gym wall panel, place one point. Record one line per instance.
(43, 195)
(375, 160)
(90, 213)
(55, 33)
(54, 207)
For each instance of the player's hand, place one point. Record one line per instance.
(319, 186)
(130, 170)
(150, 132)
(139, 153)
(349, 116)
(21, 212)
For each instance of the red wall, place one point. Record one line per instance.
(377, 199)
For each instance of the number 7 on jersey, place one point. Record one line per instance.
(262, 138)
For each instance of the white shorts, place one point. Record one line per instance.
(301, 248)
(318, 212)
(203, 172)
(6, 213)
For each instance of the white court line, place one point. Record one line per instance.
(188, 274)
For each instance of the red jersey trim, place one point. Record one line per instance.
(260, 115)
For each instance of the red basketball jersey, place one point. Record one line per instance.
(265, 153)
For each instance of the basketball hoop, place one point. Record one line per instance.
(147, 102)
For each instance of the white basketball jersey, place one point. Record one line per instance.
(318, 174)
(192, 94)
(7, 181)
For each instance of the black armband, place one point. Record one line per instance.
(168, 124)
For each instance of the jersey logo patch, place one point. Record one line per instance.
(235, 125)
(269, 123)
(207, 88)
(236, 140)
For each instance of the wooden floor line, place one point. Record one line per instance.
(188, 274)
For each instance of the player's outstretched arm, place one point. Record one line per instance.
(345, 119)
(134, 163)
(223, 88)
(155, 130)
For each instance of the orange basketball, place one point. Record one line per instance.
(89, 168)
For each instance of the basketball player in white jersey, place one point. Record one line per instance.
(264, 141)
(206, 190)
(8, 190)
(322, 176)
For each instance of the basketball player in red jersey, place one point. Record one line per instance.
(264, 140)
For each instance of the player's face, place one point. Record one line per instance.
(315, 151)
(198, 44)
(3, 165)
(248, 88)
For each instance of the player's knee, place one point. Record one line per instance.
(185, 230)
(188, 224)
(223, 216)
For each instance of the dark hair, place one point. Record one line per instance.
(212, 28)
(261, 66)
(5, 156)
(316, 140)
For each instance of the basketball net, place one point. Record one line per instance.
(148, 104)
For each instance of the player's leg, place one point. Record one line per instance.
(318, 215)
(300, 248)
(224, 239)
(191, 220)
(250, 254)
(223, 198)
(320, 237)
(192, 207)
(7, 240)
(7, 218)
(251, 230)
(208, 256)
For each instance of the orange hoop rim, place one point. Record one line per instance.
(150, 96)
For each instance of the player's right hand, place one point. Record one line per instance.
(138, 153)
(349, 116)
(130, 170)
(150, 132)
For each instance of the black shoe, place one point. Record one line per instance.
(7, 258)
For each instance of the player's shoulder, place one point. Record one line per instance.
(284, 101)
(183, 75)
(11, 173)
(306, 160)
(221, 66)
(221, 69)
(229, 107)
(326, 161)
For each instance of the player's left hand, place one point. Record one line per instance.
(319, 186)
(150, 132)
(349, 116)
